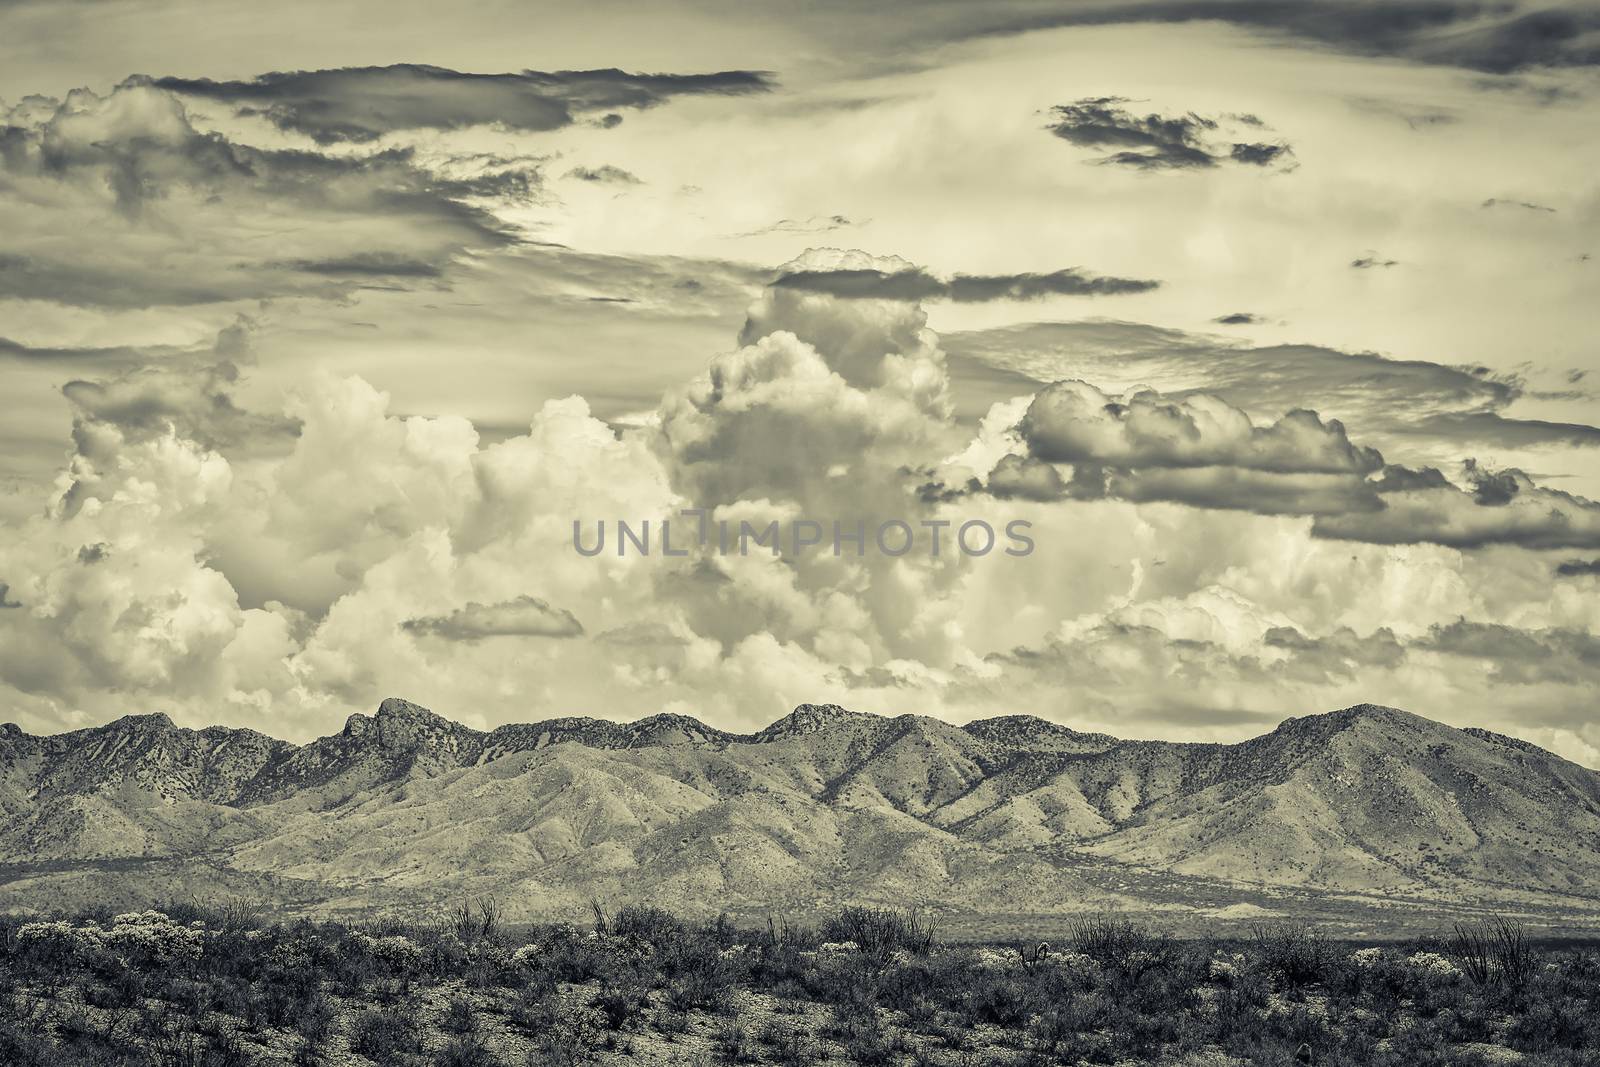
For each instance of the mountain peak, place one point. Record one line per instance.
(670, 728)
(155, 721)
(1030, 731)
(1356, 714)
(810, 719)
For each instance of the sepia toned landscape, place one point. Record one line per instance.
(924, 533)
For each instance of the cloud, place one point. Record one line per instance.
(5, 598)
(1203, 452)
(914, 284)
(604, 173)
(1154, 141)
(526, 616)
(1403, 405)
(373, 551)
(1491, 38)
(1502, 507)
(1519, 656)
(1576, 568)
(1370, 261)
(121, 202)
(813, 224)
(364, 103)
(1073, 422)
(1494, 201)
(1238, 318)
(1027, 478)
(1242, 489)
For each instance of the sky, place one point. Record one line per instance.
(320, 327)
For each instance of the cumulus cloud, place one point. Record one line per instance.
(364, 103)
(1026, 477)
(370, 552)
(526, 616)
(1401, 403)
(1158, 142)
(1577, 568)
(1073, 422)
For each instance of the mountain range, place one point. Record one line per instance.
(1009, 815)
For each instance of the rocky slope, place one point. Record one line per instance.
(1012, 814)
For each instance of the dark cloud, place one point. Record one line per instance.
(604, 173)
(1502, 507)
(917, 285)
(1026, 478)
(1257, 155)
(1480, 35)
(371, 265)
(1242, 489)
(10, 349)
(1369, 261)
(6, 602)
(1577, 568)
(1237, 318)
(1341, 655)
(89, 555)
(1521, 657)
(524, 616)
(1491, 428)
(1495, 201)
(1154, 141)
(364, 103)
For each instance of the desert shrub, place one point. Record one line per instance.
(474, 920)
(881, 932)
(1496, 951)
(1297, 953)
(733, 1044)
(655, 925)
(383, 1034)
(1126, 950)
(789, 1045)
(459, 1017)
(314, 1019)
(465, 1050)
(866, 1044)
(705, 991)
(50, 945)
(998, 999)
(621, 1003)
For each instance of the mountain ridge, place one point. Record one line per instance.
(824, 803)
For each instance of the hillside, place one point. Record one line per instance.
(824, 806)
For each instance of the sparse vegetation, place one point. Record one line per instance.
(200, 987)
